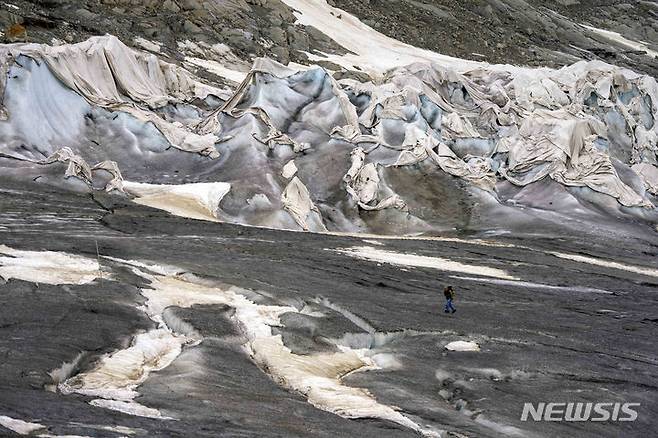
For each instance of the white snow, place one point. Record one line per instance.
(217, 68)
(123, 430)
(128, 407)
(47, 266)
(530, 285)
(651, 272)
(401, 259)
(119, 374)
(49, 435)
(616, 37)
(479, 242)
(462, 346)
(19, 426)
(372, 51)
(152, 267)
(194, 200)
(317, 377)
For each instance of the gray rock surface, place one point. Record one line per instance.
(533, 32)
(537, 344)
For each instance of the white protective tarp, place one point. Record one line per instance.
(358, 145)
(79, 168)
(297, 202)
(111, 75)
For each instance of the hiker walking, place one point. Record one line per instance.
(450, 295)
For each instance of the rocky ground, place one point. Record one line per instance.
(536, 33)
(250, 28)
(574, 330)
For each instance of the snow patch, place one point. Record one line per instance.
(371, 50)
(66, 370)
(119, 374)
(19, 426)
(129, 407)
(617, 38)
(462, 346)
(400, 259)
(217, 68)
(372, 242)
(47, 266)
(151, 267)
(530, 285)
(651, 272)
(124, 430)
(317, 377)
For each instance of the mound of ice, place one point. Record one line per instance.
(398, 154)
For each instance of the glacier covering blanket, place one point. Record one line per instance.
(302, 150)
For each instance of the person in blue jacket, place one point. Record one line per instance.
(450, 296)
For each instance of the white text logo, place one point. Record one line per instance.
(579, 411)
